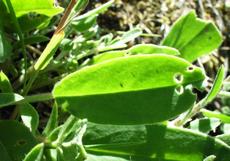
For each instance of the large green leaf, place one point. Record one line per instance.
(16, 138)
(193, 37)
(3, 153)
(44, 7)
(130, 90)
(153, 143)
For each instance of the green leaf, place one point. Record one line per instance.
(28, 23)
(94, 12)
(152, 49)
(35, 39)
(53, 121)
(193, 37)
(5, 85)
(81, 4)
(137, 49)
(84, 24)
(153, 142)
(216, 87)
(76, 9)
(107, 56)
(36, 153)
(211, 114)
(120, 42)
(7, 99)
(43, 7)
(16, 138)
(3, 153)
(139, 89)
(49, 51)
(128, 36)
(29, 116)
(205, 125)
(5, 48)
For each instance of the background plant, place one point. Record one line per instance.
(123, 103)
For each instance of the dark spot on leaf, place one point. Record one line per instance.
(121, 85)
(21, 142)
(133, 75)
(190, 68)
(209, 37)
(157, 71)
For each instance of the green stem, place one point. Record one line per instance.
(83, 153)
(39, 97)
(31, 81)
(190, 114)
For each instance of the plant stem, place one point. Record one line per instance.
(30, 99)
(39, 97)
(35, 98)
(196, 108)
